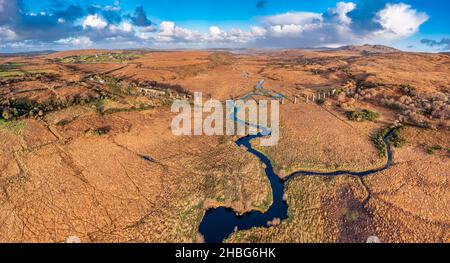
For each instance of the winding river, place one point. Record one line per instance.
(219, 223)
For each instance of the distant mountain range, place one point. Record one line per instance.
(363, 49)
(369, 49)
(28, 54)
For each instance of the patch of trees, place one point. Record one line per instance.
(165, 86)
(378, 141)
(99, 131)
(131, 87)
(363, 115)
(421, 109)
(320, 102)
(29, 76)
(23, 106)
(433, 149)
(395, 139)
(121, 87)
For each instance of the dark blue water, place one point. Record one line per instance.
(219, 223)
(360, 174)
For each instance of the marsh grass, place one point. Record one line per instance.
(13, 126)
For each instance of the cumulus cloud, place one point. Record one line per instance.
(124, 27)
(215, 31)
(169, 32)
(7, 34)
(75, 41)
(306, 29)
(94, 21)
(234, 35)
(399, 20)
(127, 27)
(339, 14)
(293, 18)
(37, 26)
(343, 24)
(283, 27)
(443, 44)
(258, 31)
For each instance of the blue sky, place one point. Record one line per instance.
(416, 25)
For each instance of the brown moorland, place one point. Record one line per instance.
(86, 147)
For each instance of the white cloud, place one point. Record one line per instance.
(75, 41)
(147, 29)
(145, 33)
(292, 29)
(238, 35)
(112, 8)
(168, 31)
(125, 27)
(341, 10)
(21, 45)
(258, 31)
(217, 35)
(334, 27)
(94, 21)
(7, 34)
(234, 35)
(399, 20)
(292, 24)
(215, 31)
(293, 18)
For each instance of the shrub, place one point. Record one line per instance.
(321, 102)
(396, 139)
(364, 115)
(100, 107)
(378, 141)
(339, 91)
(431, 150)
(63, 122)
(114, 86)
(7, 114)
(100, 131)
